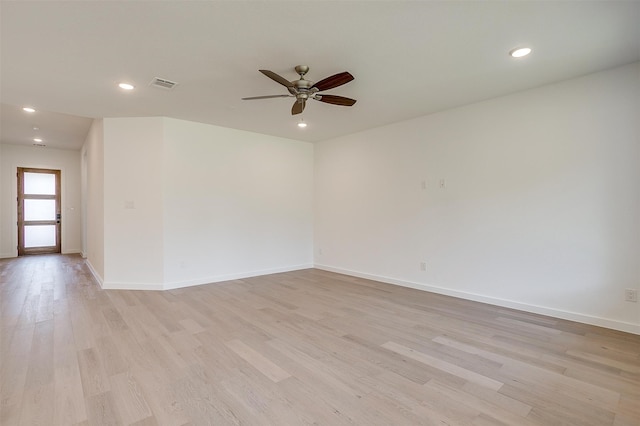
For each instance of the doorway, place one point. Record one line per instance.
(38, 211)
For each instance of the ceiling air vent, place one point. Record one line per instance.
(163, 83)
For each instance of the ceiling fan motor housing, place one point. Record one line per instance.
(302, 89)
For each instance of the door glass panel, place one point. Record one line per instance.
(39, 209)
(39, 183)
(39, 236)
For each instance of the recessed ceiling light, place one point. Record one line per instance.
(126, 86)
(520, 52)
(37, 140)
(302, 124)
(28, 109)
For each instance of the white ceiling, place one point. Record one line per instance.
(408, 58)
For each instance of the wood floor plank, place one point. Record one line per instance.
(306, 347)
(37, 405)
(579, 390)
(262, 364)
(555, 407)
(149, 421)
(110, 355)
(40, 371)
(10, 415)
(128, 397)
(206, 401)
(453, 369)
(102, 410)
(161, 394)
(69, 403)
(486, 408)
(407, 394)
(191, 325)
(320, 371)
(94, 379)
(13, 368)
(631, 365)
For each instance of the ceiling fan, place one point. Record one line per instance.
(304, 89)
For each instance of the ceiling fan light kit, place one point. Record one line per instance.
(304, 90)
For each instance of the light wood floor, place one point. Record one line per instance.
(307, 347)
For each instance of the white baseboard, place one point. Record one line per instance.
(112, 285)
(95, 274)
(235, 276)
(15, 254)
(72, 251)
(572, 316)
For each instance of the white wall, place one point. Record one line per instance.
(68, 162)
(188, 203)
(133, 188)
(236, 203)
(4, 222)
(92, 168)
(540, 209)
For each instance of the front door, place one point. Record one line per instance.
(38, 211)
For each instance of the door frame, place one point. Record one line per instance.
(21, 222)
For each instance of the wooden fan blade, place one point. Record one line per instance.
(298, 107)
(267, 97)
(335, 100)
(275, 77)
(333, 81)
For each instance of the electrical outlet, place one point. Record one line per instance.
(423, 266)
(442, 183)
(423, 184)
(320, 251)
(630, 295)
